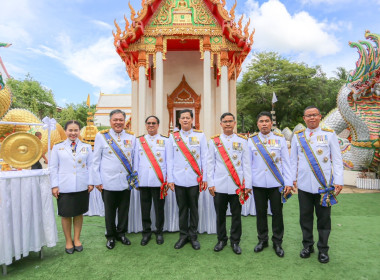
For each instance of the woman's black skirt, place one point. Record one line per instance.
(73, 204)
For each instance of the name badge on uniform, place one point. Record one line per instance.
(128, 143)
(322, 139)
(194, 141)
(237, 146)
(161, 143)
(83, 150)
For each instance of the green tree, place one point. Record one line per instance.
(296, 86)
(341, 73)
(31, 95)
(76, 112)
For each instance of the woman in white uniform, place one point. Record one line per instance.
(71, 183)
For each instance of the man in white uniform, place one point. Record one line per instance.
(187, 176)
(228, 174)
(113, 176)
(317, 168)
(150, 162)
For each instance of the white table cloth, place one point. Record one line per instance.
(27, 221)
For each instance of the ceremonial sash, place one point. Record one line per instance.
(132, 176)
(327, 191)
(231, 169)
(271, 165)
(157, 168)
(189, 157)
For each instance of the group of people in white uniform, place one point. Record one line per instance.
(231, 167)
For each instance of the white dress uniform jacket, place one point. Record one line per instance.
(69, 172)
(262, 177)
(179, 170)
(159, 146)
(107, 168)
(325, 146)
(218, 175)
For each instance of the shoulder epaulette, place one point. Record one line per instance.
(278, 134)
(86, 142)
(141, 136)
(327, 129)
(163, 135)
(215, 136)
(129, 132)
(242, 136)
(104, 131)
(254, 134)
(197, 130)
(59, 142)
(298, 131)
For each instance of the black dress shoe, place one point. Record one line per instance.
(110, 244)
(279, 251)
(145, 240)
(180, 243)
(159, 239)
(323, 257)
(305, 252)
(195, 244)
(78, 248)
(70, 250)
(123, 239)
(236, 248)
(260, 246)
(220, 245)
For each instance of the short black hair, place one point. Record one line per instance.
(158, 121)
(186, 111)
(264, 113)
(72, 122)
(225, 115)
(311, 107)
(117, 111)
(38, 133)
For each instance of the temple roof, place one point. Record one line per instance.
(114, 101)
(182, 25)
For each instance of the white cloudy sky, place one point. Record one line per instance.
(67, 45)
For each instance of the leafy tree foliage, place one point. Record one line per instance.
(296, 86)
(76, 112)
(31, 95)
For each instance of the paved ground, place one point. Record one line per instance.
(352, 189)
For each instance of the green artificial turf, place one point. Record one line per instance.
(354, 252)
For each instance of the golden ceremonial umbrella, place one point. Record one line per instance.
(21, 149)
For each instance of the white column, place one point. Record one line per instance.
(224, 97)
(160, 89)
(207, 100)
(135, 109)
(142, 101)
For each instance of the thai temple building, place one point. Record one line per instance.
(182, 54)
(107, 103)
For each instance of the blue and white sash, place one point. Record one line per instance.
(132, 177)
(271, 165)
(327, 191)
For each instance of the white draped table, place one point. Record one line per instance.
(27, 221)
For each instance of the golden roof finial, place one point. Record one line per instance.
(232, 12)
(246, 30)
(251, 37)
(133, 13)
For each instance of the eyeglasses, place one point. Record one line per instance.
(230, 121)
(311, 116)
(151, 123)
